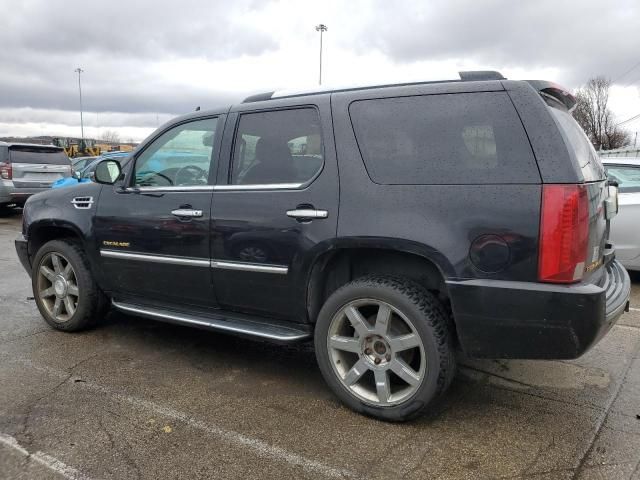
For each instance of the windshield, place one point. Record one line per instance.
(577, 140)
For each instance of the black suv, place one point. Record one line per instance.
(392, 224)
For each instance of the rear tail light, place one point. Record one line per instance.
(564, 233)
(5, 171)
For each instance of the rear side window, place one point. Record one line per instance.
(628, 177)
(280, 146)
(464, 138)
(38, 155)
(577, 140)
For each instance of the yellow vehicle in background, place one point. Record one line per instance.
(76, 147)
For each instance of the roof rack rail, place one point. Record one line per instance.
(477, 75)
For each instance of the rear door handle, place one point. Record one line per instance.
(307, 213)
(186, 212)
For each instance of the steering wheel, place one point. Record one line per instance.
(195, 173)
(150, 174)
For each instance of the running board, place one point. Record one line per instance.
(271, 330)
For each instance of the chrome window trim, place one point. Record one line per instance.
(194, 262)
(184, 188)
(197, 262)
(217, 188)
(261, 186)
(249, 267)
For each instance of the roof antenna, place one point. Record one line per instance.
(198, 108)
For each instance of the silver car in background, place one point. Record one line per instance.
(27, 169)
(625, 227)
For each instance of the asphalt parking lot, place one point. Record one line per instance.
(140, 399)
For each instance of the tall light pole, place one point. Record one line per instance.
(79, 71)
(321, 28)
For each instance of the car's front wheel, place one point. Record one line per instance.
(64, 290)
(384, 347)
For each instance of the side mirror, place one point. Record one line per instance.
(611, 203)
(107, 172)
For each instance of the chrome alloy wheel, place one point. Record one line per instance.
(57, 287)
(376, 352)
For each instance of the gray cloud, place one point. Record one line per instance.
(119, 43)
(133, 29)
(583, 38)
(124, 44)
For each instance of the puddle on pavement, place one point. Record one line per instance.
(525, 374)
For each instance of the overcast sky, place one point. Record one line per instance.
(146, 61)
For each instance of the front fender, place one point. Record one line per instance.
(54, 209)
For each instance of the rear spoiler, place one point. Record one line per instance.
(557, 92)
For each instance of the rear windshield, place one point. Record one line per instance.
(39, 155)
(577, 140)
(462, 138)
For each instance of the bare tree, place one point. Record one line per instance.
(593, 115)
(110, 136)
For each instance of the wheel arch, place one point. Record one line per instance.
(43, 231)
(346, 259)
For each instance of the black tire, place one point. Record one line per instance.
(92, 303)
(6, 210)
(431, 322)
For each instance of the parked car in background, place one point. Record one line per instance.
(625, 227)
(79, 163)
(26, 169)
(85, 174)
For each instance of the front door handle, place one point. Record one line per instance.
(307, 214)
(186, 213)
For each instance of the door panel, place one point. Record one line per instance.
(154, 232)
(142, 225)
(257, 248)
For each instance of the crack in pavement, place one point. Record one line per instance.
(258, 447)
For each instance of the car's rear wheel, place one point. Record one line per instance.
(384, 347)
(65, 292)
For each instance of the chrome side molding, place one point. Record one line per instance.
(249, 267)
(196, 262)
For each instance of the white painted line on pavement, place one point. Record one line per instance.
(259, 447)
(634, 309)
(43, 459)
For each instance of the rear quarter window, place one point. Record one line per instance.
(463, 138)
(37, 155)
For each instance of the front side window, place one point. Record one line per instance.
(628, 177)
(283, 146)
(181, 156)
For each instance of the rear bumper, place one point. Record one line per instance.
(502, 319)
(23, 253)
(6, 188)
(20, 195)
